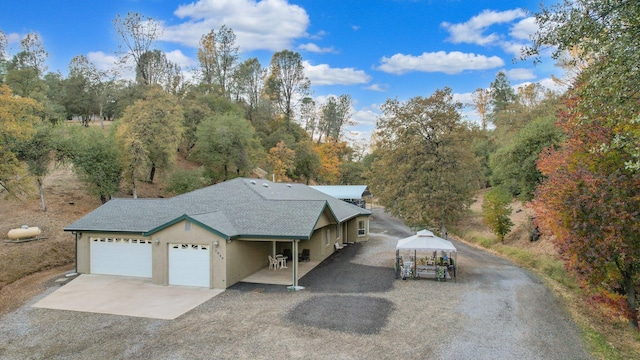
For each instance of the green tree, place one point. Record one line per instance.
(424, 171)
(335, 114)
(501, 93)
(95, 157)
(37, 153)
(155, 122)
(307, 162)
(27, 66)
(249, 86)
(496, 210)
(600, 36)
(514, 164)
(286, 82)
(225, 143)
(80, 96)
(353, 173)
(218, 56)
(184, 181)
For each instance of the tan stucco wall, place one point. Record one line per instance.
(244, 257)
(231, 261)
(352, 229)
(177, 234)
(325, 219)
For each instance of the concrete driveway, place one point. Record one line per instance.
(118, 295)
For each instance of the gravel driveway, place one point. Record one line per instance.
(352, 308)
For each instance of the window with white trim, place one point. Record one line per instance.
(327, 237)
(338, 231)
(362, 228)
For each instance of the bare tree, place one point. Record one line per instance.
(137, 33)
(481, 101)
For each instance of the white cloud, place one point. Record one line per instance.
(323, 74)
(524, 29)
(311, 47)
(266, 24)
(472, 31)
(514, 48)
(101, 60)
(547, 83)
(377, 87)
(177, 57)
(464, 98)
(365, 117)
(14, 38)
(449, 63)
(520, 74)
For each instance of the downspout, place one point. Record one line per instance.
(76, 257)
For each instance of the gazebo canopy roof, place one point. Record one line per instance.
(425, 240)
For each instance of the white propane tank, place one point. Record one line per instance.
(24, 232)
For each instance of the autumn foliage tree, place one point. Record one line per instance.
(18, 117)
(330, 161)
(282, 160)
(590, 201)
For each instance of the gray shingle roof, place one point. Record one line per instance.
(239, 207)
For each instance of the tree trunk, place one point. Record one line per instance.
(153, 174)
(631, 299)
(44, 204)
(134, 189)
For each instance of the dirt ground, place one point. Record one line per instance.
(66, 200)
(519, 235)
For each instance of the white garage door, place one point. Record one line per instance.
(127, 257)
(189, 264)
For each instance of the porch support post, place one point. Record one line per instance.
(273, 248)
(295, 262)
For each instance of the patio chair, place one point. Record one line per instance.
(287, 252)
(273, 263)
(339, 246)
(304, 255)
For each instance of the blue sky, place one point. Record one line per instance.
(372, 50)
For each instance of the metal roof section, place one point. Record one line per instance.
(235, 208)
(344, 191)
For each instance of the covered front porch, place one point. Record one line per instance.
(280, 276)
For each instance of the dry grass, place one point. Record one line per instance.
(66, 201)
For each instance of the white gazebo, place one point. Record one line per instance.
(440, 256)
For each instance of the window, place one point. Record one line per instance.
(187, 226)
(362, 228)
(327, 237)
(338, 231)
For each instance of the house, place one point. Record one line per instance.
(215, 236)
(354, 194)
